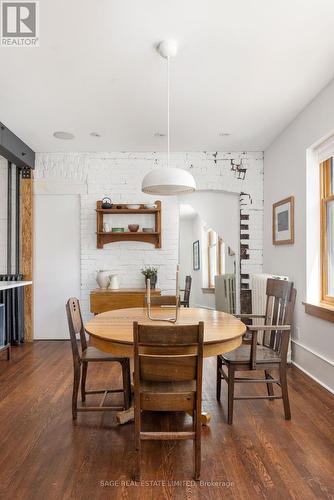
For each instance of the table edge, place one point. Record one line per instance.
(125, 342)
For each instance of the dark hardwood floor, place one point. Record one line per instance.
(45, 456)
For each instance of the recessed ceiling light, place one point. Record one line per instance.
(63, 135)
(95, 134)
(224, 134)
(159, 134)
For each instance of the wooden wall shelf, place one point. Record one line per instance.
(103, 238)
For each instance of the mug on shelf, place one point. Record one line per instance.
(106, 227)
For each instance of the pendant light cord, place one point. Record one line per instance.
(168, 99)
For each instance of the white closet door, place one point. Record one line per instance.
(57, 262)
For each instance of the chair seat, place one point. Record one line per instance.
(93, 354)
(242, 355)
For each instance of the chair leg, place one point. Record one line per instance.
(219, 379)
(270, 387)
(285, 394)
(76, 383)
(126, 383)
(197, 446)
(230, 394)
(83, 381)
(137, 440)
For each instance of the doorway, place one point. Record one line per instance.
(57, 262)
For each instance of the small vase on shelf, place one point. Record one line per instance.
(153, 282)
(114, 283)
(103, 278)
(150, 273)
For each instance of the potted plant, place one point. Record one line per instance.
(150, 273)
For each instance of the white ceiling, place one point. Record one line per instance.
(246, 67)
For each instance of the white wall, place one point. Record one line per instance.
(119, 175)
(185, 249)
(285, 174)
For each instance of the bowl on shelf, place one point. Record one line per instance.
(150, 205)
(117, 230)
(148, 230)
(133, 206)
(133, 228)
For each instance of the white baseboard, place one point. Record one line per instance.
(317, 367)
(323, 358)
(325, 386)
(204, 307)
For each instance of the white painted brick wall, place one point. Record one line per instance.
(119, 176)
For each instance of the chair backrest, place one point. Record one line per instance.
(281, 297)
(75, 325)
(187, 289)
(168, 353)
(162, 300)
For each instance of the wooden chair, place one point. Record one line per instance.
(168, 377)
(269, 355)
(91, 354)
(186, 290)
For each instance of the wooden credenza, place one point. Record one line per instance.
(123, 298)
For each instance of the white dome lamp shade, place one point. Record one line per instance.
(168, 181)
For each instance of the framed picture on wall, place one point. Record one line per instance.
(283, 222)
(196, 256)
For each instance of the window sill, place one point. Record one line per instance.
(208, 290)
(320, 310)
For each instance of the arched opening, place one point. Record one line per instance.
(209, 247)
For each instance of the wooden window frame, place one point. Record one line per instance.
(326, 196)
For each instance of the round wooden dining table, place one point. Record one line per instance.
(112, 332)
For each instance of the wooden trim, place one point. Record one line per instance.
(290, 200)
(27, 253)
(325, 196)
(322, 311)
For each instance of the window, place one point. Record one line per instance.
(215, 257)
(327, 230)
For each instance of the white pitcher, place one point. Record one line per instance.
(103, 279)
(114, 283)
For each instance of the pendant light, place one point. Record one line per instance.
(170, 180)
